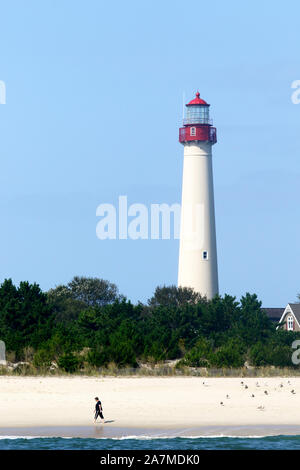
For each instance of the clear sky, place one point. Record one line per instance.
(93, 106)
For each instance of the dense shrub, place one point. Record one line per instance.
(69, 362)
(41, 358)
(230, 354)
(176, 324)
(279, 355)
(199, 355)
(97, 357)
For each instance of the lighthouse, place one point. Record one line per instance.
(198, 267)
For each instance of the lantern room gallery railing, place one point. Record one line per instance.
(204, 134)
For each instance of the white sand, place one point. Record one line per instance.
(148, 402)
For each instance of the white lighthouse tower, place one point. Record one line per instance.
(198, 266)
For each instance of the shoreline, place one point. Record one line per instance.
(105, 432)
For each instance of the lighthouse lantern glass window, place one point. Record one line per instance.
(197, 115)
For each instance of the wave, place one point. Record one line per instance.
(135, 437)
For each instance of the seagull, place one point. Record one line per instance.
(221, 403)
(252, 395)
(266, 393)
(281, 385)
(242, 383)
(261, 408)
(293, 391)
(227, 396)
(246, 386)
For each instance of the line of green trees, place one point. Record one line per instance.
(88, 322)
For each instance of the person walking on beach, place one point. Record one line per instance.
(98, 410)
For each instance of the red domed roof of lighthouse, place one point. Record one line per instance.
(197, 100)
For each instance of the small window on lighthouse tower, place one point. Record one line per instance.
(193, 131)
(205, 255)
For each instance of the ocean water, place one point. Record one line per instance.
(145, 443)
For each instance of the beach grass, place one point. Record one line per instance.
(158, 370)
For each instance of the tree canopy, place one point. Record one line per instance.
(88, 321)
(81, 292)
(174, 296)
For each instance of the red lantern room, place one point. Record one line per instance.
(197, 124)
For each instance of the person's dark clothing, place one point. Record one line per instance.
(98, 410)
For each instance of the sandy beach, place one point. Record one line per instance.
(63, 406)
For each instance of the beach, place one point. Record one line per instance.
(176, 406)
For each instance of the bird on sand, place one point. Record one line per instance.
(252, 395)
(293, 392)
(246, 386)
(221, 403)
(261, 408)
(227, 396)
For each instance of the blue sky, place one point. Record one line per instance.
(94, 102)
